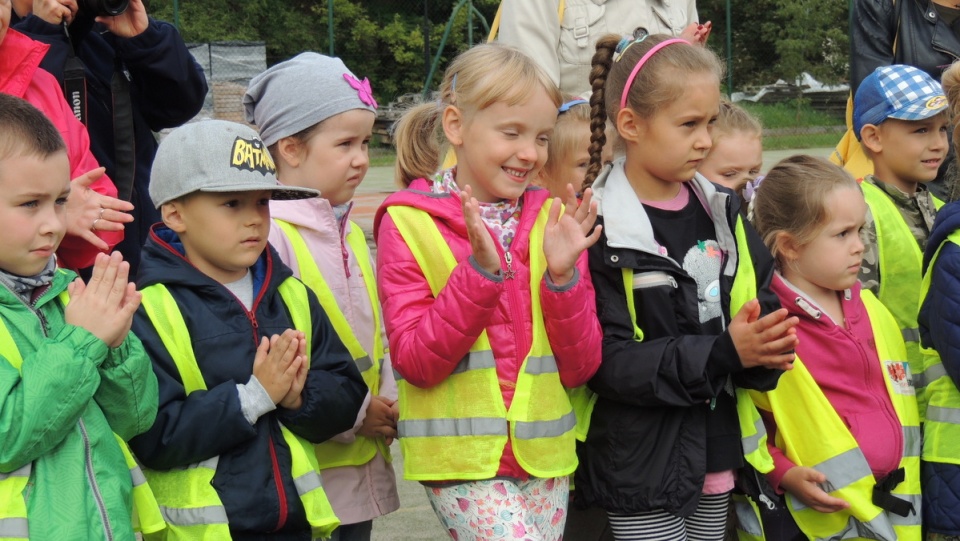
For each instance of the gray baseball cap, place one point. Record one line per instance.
(216, 156)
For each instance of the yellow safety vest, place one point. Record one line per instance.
(332, 454)
(900, 274)
(146, 516)
(941, 428)
(188, 501)
(457, 430)
(811, 434)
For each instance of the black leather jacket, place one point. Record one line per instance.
(924, 41)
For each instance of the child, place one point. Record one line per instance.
(250, 369)
(845, 435)
(487, 302)
(317, 122)
(900, 116)
(938, 322)
(674, 264)
(736, 156)
(72, 375)
(95, 217)
(567, 150)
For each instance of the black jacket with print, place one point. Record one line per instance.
(647, 444)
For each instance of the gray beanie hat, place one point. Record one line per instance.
(215, 156)
(294, 95)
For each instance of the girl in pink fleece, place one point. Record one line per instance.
(810, 213)
(486, 353)
(316, 119)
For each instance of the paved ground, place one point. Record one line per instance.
(415, 519)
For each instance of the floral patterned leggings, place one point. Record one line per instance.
(532, 510)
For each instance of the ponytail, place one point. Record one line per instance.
(418, 143)
(601, 63)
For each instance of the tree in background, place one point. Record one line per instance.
(384, 39)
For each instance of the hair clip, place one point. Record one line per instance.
(566, 106)
(639, 34)
(453, 84)
(364, 92)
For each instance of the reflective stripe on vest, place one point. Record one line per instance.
(458, 429)
(146, 515)
(941, 427)
(800, 410)
(749, 527)
(332, 454)
(189, 502)
(900, 263)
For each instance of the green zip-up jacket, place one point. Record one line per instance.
(60, 413)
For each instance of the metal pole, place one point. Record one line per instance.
(443, 42)
(470, 22)
(729, 51)
(426, 38)
(330, 24)
(176, 14)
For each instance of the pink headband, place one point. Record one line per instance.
(643, 60)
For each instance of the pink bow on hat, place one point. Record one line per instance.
(364, 92)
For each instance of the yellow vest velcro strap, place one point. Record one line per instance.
(14, 528)
(194, 516)
(943, 415)
(915, 501)
(537, 366)
(475, 426)
(911, 335)
(364, 363)
(912, 441)
(530, 430)
(841, 471)
(23, 471)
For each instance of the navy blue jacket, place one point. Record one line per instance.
(253, 477)
(939, 321)
(167, 88)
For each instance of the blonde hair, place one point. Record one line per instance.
(653, 87)
(476, 79)
(950, 80)
(791, 199)
(565, 135)
(733, 119)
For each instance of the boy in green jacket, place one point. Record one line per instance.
(71, 374)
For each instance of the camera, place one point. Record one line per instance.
(106, 8)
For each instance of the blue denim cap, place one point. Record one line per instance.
(897, 91)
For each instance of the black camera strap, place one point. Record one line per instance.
(124, 143)
(75, 82)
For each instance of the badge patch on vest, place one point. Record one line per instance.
(899, 374)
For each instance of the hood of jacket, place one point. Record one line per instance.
(20, 58)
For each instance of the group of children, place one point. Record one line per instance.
(626, 331)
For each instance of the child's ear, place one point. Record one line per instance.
(452, 118)
(787, 246)
(172, 216)
(871, 138)
(289, 150)
(629, 125)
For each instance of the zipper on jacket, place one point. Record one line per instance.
(88, 462)
(511, 284)
(509, 274)
(281, 494)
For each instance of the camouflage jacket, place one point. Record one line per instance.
(917, 210)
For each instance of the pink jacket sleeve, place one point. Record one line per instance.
(429, 336)
(570, 316)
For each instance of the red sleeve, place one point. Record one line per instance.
(781, 464)
(429, 336)
(570, 316)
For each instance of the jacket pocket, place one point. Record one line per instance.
(645, 280)
(582, 24)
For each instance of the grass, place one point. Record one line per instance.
(382, 156)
